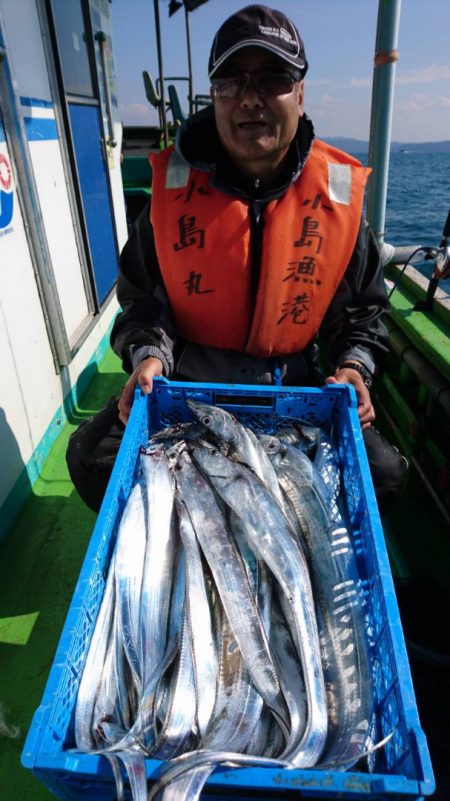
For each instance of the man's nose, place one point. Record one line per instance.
(250, 97)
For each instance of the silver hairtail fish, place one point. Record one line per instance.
(232, 581)
(199, 623)
(93, 668)
(341, 612)
(159, 495)
(271, 537)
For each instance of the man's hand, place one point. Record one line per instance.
(366, 411)
(142, 375)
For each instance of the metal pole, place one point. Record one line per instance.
(101, 39)
(386, 56)
(161, 74)
(188, 42)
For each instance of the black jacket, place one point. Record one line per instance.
(352, 327)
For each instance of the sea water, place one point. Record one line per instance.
(418, 198)
(418, 201)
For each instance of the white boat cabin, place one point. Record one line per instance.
(62, 222)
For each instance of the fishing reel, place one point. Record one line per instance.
(441, 270)
(442, 263)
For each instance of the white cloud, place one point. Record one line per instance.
(421, 117)
(420, 102)
(430, 74)
(357, 82)
(320, 82)
(326, 99)
(137, 114)
(339, 115)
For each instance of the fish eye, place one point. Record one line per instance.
(206, 420)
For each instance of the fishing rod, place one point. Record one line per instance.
(441, 268)
(441, 256)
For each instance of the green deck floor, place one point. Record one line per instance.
(40, 561)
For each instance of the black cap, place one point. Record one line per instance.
(258, 26)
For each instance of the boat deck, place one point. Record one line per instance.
(40, 561)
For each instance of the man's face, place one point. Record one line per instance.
(257, 131)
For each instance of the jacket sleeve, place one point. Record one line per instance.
(145, 326)
(353, 326)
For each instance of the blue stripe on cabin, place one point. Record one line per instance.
(40, 129)
(34, 101)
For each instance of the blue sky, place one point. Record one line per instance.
(339, 37)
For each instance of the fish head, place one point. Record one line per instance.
(270, 443)
(182, 459)
(298, 433)
(273, 447)
(154, 449)
(212, 462)
(174, 451)
(221, 423)
(149, 457)
(189, 430)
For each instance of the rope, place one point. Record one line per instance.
(386, 57)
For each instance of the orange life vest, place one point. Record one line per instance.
(202, 238)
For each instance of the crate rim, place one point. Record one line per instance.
(87, 765)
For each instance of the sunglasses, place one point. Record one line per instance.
(266, 83)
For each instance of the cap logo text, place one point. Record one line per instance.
(277, 33)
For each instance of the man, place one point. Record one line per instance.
(254, 245)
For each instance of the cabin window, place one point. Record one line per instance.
(69, 22)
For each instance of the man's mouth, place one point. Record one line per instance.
(252, 124)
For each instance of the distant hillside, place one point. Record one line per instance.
(360, 146)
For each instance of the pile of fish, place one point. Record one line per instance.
(233, 627)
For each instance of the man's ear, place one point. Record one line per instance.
(212, 96)
(301, 98)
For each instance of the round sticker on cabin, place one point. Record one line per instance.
(6, 195)
(5, 173)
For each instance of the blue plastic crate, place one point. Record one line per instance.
(402, 767)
